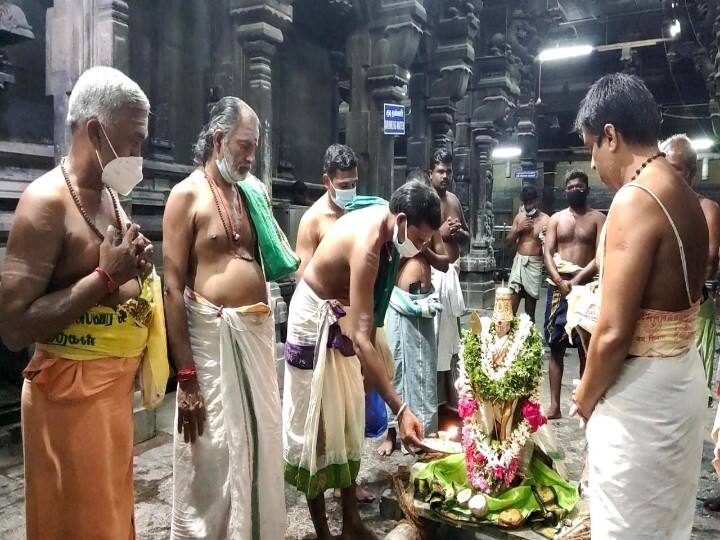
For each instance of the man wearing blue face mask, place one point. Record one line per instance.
(340, 176)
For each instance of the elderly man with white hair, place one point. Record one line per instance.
(682, 156)
(78, 282)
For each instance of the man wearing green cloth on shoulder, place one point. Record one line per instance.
(329, 350)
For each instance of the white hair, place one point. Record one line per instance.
(683, 147)
(100, 92)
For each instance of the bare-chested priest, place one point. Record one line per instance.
(682, 156)
(227, 469)
(527, 270)
(323, 406)
(340, 177)
(455, 234)
(410, 323)
(570, 245)
(77, 282)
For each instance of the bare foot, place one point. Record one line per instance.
(386, 448)
(554, 414)
(358, 532)
(361, 494)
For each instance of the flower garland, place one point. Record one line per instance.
(492, 464)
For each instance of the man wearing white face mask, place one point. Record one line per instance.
(410, 323)
(78, 283)
(323, 405)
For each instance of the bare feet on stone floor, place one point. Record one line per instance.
(389, 445)
(554, 414)
(361, 494)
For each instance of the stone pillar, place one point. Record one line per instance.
(492, 102)
(379, 54)
(81, 34)
(259, 27)
(548, 186)
(527, 140)
(478, 266)
(14, 28)
(418, 149)
(462, 158)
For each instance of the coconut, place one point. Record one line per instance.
(478, 506)
(463, 497)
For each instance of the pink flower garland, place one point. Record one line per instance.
(532, 413)
(467, 407)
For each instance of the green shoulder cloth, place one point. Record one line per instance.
(388, 269)
(277, 257)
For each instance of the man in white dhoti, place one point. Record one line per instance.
(227, 469)
(643, 390)
(455, 233)
(524, 237)
(323, 405)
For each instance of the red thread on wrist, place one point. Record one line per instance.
(187, 374)
(109, 283)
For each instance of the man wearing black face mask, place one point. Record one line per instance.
(570, 245)
(524, 236)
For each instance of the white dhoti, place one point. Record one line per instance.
(447, 328)
(526, 274)
(644, 450)
(228, 483)
(324, 397)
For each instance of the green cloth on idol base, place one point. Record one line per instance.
(707, 338)
(451, 472)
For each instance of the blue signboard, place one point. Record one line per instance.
(394, 119)
(527, 175)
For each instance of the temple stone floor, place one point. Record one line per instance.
(153, 480)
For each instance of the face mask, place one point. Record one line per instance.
(122, 173)
(343, 197)
(407, 249)
(223, 165)
(530, 213)
(576, 198)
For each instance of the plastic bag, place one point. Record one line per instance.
(376, 420)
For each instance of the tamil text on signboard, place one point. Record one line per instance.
(394, 119)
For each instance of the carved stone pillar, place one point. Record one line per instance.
(259, 27)
(379, 54)
(14, 28)
(493, 101)
(527, 140)
(462, 157)
(79, 35)
(418, 149)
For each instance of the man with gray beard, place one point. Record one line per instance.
(227, 469)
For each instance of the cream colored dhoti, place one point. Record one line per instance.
(644, 450)
(228, 483)
(324, 398)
